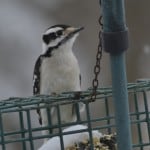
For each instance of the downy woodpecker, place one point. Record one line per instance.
(57, 70)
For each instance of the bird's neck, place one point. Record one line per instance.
(62, 51)
(55, 50)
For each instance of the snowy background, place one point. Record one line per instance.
(22, 23)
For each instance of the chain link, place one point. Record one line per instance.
(97, 67)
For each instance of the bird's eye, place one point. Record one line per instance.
(59, 33)
(53, 35)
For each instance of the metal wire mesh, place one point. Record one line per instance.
(28, 134)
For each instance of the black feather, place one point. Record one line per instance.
(36, 84)
(80, 79)
(36, 76)
(60, 25)
(46, 39)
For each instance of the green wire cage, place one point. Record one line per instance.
(27, 135)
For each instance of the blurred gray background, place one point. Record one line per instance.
(22, 23)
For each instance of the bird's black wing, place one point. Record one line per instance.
(36, 83)
(36, 77)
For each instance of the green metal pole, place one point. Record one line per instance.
(115, 42)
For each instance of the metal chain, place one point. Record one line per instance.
(97, 67)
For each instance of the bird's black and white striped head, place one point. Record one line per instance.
(59, 35)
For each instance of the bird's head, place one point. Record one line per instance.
(60, 35)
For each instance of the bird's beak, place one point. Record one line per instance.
(72, 30)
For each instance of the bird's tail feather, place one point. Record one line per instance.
(39, 114)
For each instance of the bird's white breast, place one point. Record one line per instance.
(60, 73)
